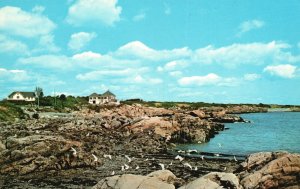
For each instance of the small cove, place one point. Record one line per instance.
(273, 131)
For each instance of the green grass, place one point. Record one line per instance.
(10, 111)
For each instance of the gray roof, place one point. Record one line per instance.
(24, 94)
(107, 93)
(94, 95)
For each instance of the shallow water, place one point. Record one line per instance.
(272, 131)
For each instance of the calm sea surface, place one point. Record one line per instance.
(266, 132)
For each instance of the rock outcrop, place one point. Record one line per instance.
(163, 179)
(214, 180)
(271, 170)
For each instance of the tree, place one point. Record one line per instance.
(63, 98)
(39, 93)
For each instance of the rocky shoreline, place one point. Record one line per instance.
(81, 149)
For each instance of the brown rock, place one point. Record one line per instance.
(271, 170)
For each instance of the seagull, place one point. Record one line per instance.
(74, 151)
(112, 173)
(179, 158)
(107, 156)
(129, 159)
(196, 168)
(188, 165)
(146, 159)
(162, 166)
(88, 134)
(168, 138)
(137, 167)
(234, 158)
(95, 157)
(171, 163)
(225, 168)
(126, 166)
(220, 145)
(123, 169)
(202, 157)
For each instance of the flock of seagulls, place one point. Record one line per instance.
(125, 166)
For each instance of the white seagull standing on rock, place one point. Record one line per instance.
(112, 173)
(122, 168)
(202, 157)
(179, 158)
(95, 157)
(234, 158)
(74, 151)
(188, 165)
(107, 156)
(126, 166)
(137, 167)
(128, 158)
(162, 166)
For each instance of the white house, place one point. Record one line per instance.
(22, 96)
(105, 98)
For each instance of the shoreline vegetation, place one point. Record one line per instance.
(69, 144)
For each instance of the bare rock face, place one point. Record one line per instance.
(271, 170)
(215, 180)
(163, 179)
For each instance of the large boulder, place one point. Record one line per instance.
(215, 180)
(163, 179)
(271, 170)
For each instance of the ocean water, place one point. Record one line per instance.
(272, 131)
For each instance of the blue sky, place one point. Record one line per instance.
(195, 50)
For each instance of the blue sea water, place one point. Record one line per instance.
(272, 131)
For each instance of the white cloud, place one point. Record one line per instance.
(175, 73)
(138, 79)
(250, 25)
(100, 74)
(251, 77)
(13, 75)
(38, 9)
(137, 49)
(94, 60)
(98, 11)
(209, 79)
(46, 43)
(57, 62)
(79, 40)
(18, 22)
(200, 80)
(251, 53)
(139, 17)
(284, 70)
(8, 45)
(175, 64)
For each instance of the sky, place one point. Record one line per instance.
(165, 50)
